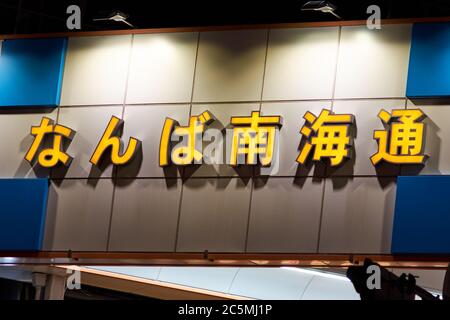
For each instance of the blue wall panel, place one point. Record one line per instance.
(422, 215)
(22, 213)
(429, 64)
(31, 72)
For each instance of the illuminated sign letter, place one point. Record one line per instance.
(49, 157)
(110, 139)
(253, 139)
(187, 151)
(329, 135)
(402, 142)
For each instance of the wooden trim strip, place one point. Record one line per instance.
(222, 259)
(146, 287)
(221, 28)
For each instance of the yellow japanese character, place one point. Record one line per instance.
(402, 142)
(254, 138)
(110, 140)
(331, 137)
(187, 152)
(49, 157)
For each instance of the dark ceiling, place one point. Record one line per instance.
(35, 16)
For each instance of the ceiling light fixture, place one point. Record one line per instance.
(114, 15)
(322, 6)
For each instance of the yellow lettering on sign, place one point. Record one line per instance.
(254, 138)
(49, 157)
(402, 142)
(331, 137)
(187, 153)
(111, 140)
